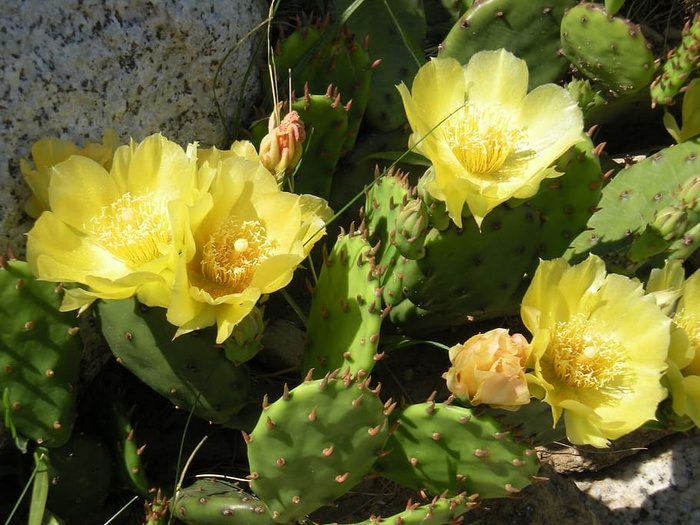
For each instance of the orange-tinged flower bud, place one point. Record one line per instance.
(281, 148)
(489, 368)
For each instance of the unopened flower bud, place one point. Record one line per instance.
(281, 148)
(670, 222)
(689, 194)
(245, 340)
(412, 224)
(489, 368)
(437, 210)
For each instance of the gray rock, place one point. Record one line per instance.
(71, 68)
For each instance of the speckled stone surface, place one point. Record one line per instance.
(70, 68)
(658, 486)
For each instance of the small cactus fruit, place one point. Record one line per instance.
(246, 339)
(529, 30)
(80, 473)
(346, 310)
(40, 353)
(190, 371)
(681, 62)
(608, 50)
(315, 443)
(213, 501)
(628, 230)
(437, 447)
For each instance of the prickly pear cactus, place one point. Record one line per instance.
(40, 353)
(492, 264)
(126, 450)
(80, 472)
(190, 371)
(529, 30)
(627, 229)
(678, 67)
(438, 447)
(566, 203)
(395, 32)
(609, 50)
(218, 501)
(326, 121)
(315, 443)
(346, 310)
(531, 424)
(318, 56)
(439, 511)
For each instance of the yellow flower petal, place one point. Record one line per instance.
(59, 253)
(48, 152)
(497, 78)
(80, 189)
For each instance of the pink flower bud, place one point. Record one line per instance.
(489, 368)
(281, 148)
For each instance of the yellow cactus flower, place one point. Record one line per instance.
(48, 152)
(487, 138)
(248, 244)
(683, 373)
(598, 351)
(116, 232)
(489, 368)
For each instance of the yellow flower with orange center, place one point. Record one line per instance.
(487, 138)
(598, 351)
(117, 232)
(246, 244)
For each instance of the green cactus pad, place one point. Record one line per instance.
(529, 30)
(630, 203)
(439, 511)
(677, 70)
(317, 60)
(385, 200)
(439, 447)
(40, 353)
(191, 371)
(566, 203)
(213, 501)
(531, 424)
(126, 451)
(80, 472)
(609, 50)
(346, 311)
(471, 272)
(395, 32)
(326, 121)
(314, 444)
